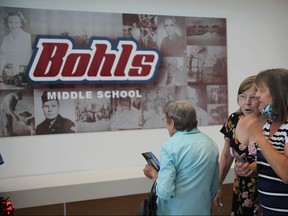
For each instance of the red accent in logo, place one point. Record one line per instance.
(55, 60)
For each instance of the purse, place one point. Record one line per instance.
(1, 160)
(148, 206)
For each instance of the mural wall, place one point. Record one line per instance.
(88, 81)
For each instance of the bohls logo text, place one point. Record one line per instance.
(57, 60)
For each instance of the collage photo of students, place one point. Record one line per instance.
(176, 38)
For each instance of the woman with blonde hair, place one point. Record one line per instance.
(244, 188)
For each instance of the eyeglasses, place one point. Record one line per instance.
(252, 98)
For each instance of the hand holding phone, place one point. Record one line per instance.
(236, 155)
(152, 160)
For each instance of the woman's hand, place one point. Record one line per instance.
(150, 172)
(218, 199)
(242, 169)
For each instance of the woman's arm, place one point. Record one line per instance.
(277, 160)
(246, 169)
(225, 161)
(224, 165)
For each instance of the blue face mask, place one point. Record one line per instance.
(267, 110)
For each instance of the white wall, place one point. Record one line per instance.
(257, 39)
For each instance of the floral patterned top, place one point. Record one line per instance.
(245, 194)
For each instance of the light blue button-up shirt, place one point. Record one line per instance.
(188, 177)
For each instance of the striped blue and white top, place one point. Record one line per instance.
(273, 192)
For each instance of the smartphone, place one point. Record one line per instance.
(152, 160)
(236, 155)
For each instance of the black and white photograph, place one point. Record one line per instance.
(17, 113)
(53, 115)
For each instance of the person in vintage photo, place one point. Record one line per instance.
(126, 116)
(203, 116)
(170, 99)
(149, 36)
(147, 100)
(8, 107)
(173, 44)
(16, 47)
(196, 62)
(160, 100)
(54, 123)
(153, 116)
(135, 32)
